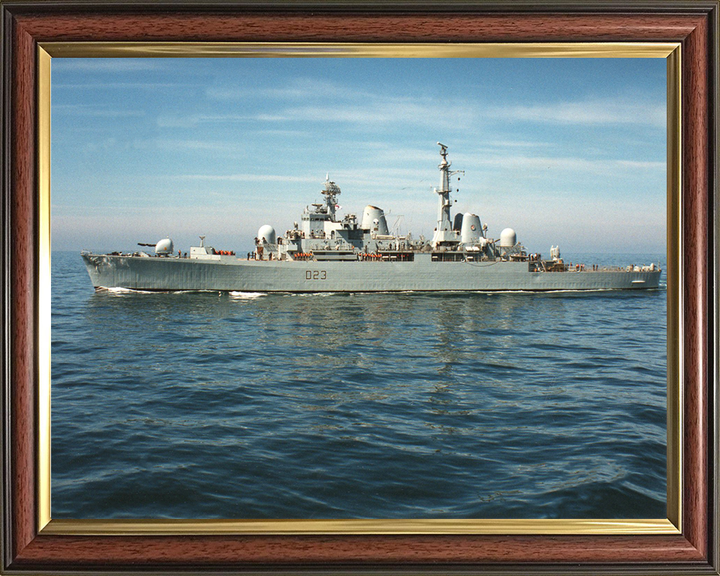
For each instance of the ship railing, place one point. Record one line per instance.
(387, 256)
(579, 268)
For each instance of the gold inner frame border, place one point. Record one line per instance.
(671, 51)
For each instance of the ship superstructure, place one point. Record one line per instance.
(325, 253)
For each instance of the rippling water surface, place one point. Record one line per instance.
(216, 405)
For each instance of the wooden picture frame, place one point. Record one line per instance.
(28, 547)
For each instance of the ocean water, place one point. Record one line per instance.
(443, 405)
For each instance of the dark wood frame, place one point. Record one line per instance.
(694, 24)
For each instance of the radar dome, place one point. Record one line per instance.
(164, 247)
(267, 233)
(508, 238)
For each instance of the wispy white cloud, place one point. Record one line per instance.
(192, 120)
(245, 178)
(95, 112)
(362, 113)
(634, 164)
(272, 118)
(357, 106)
(380, 179)
(119, 85)
(105, 64)
(611, 111)
(516, 144)
(399, 179)
(192, 145)
(297, 89)
(383, 112)
(581, 165)
(249, 149)
(349, 105)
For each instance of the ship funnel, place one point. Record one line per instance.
(266, 233)
(164, 247)
(370, 214)
(470, 230)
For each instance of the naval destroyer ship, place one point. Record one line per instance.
(324, 253)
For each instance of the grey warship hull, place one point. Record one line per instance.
(325, 253)
(229, 273)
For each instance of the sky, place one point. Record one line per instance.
(565, 151)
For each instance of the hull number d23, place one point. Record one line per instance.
(315, 275)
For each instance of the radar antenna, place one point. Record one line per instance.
(331, 191)
(443, 149)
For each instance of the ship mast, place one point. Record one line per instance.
(331, 192)
(444, 231)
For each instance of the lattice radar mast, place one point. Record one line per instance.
(444, 231)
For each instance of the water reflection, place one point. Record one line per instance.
(342, 402)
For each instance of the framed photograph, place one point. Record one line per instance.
(211, 412)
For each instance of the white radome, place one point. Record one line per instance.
(267, 233)
(508, 238)
(165, 247)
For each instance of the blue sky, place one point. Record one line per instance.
(565, 151)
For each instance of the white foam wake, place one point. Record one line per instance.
(118, 290)
(246, 295)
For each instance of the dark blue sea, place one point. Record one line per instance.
(443, 405)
